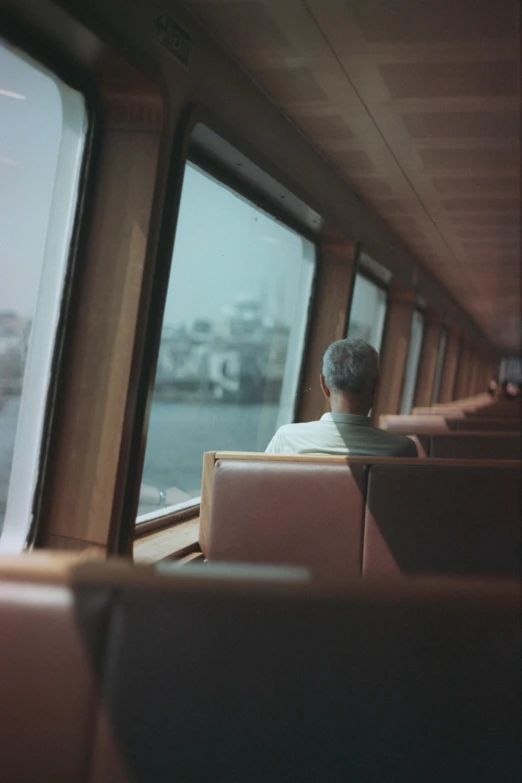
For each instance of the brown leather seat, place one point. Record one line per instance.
(434, 424)
(275, 511)
(506, 409)
(119, 673)
(414, 425)
(479, 424)
(47, 679)
(222, 680)
(434, 519)
(476, 446)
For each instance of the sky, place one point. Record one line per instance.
(30, 130)
(226, 248)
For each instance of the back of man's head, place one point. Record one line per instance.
(351, 367)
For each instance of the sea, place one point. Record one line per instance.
(178, 435)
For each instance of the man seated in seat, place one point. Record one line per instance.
(349, 382)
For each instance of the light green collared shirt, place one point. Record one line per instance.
(343, 434)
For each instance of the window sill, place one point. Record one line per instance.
(168, 543)
(166, 517)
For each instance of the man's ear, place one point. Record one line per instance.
(324, 387)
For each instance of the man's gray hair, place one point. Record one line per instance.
(351, 367)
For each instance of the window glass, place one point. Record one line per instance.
(412, 361)
(43, 127)
(440, 365)
(368, 312)
(232, 338)
(511, 369)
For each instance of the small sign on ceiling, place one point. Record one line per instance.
(171, 36)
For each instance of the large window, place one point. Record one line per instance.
(440, 364)
(412, 361)
(42, 132)
(368, 312)
(232, 338)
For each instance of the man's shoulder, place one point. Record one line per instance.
(291, 438)
(402, 445)
(299, 426)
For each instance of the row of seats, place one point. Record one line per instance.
(423, 424)
(362, 516)
(470, 445)
(480, 405)
(473, 414)
(505, 410)
(113, 673)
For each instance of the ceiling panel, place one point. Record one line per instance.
(459, 158)
(475, 204)
(416, 103)
(424, 21)
(325, 127)
(450, 80)
(458, 125)
(290, 85)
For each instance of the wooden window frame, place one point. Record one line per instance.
(268, 196)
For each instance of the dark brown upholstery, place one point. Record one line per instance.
(218, 681)
(431, 519)
(506, 409)
(298, 513)
(478, 424)
(47, 685)
(223, 673)
(476, 446)
(435, 424)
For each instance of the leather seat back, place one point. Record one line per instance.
(306, 513)
(226, 681)
(435, 424)
(476, 446)
(446, 520)
(414, 425)
(497, 424)
(122, 674)
(48, 683)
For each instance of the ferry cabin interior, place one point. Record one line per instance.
(196, 198)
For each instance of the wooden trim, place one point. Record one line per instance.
(84, 457)
(328, 459)
(176, 541)
(209, 464)
(402, 294)
(149, 324)
(394, 351)
(164, 520)
(334, 286)
(68, 543)
(44, 566)
(192, 558)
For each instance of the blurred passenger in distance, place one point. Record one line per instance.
(349, 382)
(493, 387)
(510, 390)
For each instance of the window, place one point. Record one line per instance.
(42, 138)
(511, 369)
(368, 312)
(232, 338)
(412, 361)
(440, 364)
